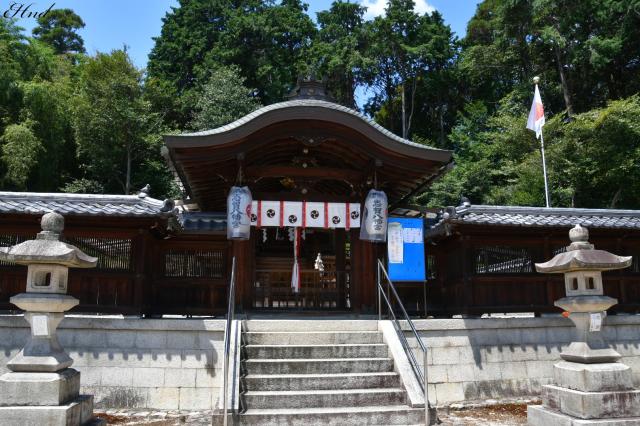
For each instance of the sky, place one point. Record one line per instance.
(112, 24)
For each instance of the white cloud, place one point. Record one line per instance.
(423, 7)
(377, 7)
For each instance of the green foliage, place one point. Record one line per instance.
(114, 125)
(338, 51)
(94, 124)
(264, 39)
(58, 28)
(20, 151)
(223, 99)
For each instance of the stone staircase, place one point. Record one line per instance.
(322, 372)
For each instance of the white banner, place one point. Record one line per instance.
(305, 214)
(314, 217)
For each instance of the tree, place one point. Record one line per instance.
(339, 49)
(223, 99)
(58, 28)
(264, 39)
(413, 54)
(113, 122)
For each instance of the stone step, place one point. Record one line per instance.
(318, 366)
(311, 338)
(272, 382)
(369, 350)
(543, 416)
(338, 416)
(310, 325)
(324, 398)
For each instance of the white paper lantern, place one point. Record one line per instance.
(239, 213)
(374, 219)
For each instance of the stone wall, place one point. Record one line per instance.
(164, 364)
(176, 363)
(496, 358)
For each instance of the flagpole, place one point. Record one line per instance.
(536, 80)
(544, 171)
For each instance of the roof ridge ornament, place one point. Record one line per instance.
(144, 191)
(311, 88)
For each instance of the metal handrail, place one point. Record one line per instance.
(422, 377)
(227, 340)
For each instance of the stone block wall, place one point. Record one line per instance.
(163, 364)
(497, 358)
(177, 363)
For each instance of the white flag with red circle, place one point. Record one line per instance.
(536, 115)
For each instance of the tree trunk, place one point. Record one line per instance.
(127, 184)
(404, 114)
(616, 198)
(413, 102)
(563, 81)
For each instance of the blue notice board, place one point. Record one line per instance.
(405, 249)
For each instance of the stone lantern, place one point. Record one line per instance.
(590, 385)
(41, 388)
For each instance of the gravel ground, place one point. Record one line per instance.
(512, 414)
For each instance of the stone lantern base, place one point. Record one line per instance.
(588, 394)
(30, 398)
(41, 389)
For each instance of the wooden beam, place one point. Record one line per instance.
(321, 173)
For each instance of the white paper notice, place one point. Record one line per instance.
(394, 242)
(412, 235)
(596, 322)
(39, 325)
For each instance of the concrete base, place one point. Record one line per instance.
(79, 412)
(593, 377)
(42, 389)
(592, 405)
(589, 353)
(542, 416)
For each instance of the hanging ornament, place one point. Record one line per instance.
(295, 273)
(292, 233)
(319, 264)
(239, 213)
(374, 218)
(264, 235)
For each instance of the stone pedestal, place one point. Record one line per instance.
(41, 389)
(588, 394)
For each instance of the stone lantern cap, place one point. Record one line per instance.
(580, 255)
(47, 248)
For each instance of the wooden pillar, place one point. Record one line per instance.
(356, 270)
(468, 301)
(141, 263)
(364, 282)
(244, 252)
(339, 242)
(549, 290)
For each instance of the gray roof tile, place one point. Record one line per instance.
(537, 216)
(79, 204)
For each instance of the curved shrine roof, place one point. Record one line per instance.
(326, 148)
(305, 109)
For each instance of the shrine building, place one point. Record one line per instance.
(301, 172)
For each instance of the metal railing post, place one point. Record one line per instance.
(379, 295)
(421, 375)
(227, 342)
(427, 419)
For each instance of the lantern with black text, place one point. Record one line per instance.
(239, 213)
(374, 218)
